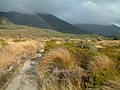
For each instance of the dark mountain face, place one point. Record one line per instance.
(104, 30)
(39, 20)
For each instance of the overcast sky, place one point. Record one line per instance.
(73, 11)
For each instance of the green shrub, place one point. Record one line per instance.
(97, 79)
(49, 45)
(111, 51)
(70, 46)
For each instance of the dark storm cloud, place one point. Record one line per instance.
(74, 11)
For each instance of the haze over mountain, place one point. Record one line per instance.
(46, 21)
(104, 30)
(73, 11)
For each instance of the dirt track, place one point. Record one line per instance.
(27, 78)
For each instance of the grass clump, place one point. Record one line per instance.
(100, 70)
(49, 45)
(60, 70)
(111, 51)
(3, 43)
(83, 57)
(19, 40)
(60, 56)
(98, 65)
(100, 78)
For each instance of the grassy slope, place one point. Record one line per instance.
(32, 32)
(23, 31)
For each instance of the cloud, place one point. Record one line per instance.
(73, 11)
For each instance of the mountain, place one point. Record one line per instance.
(104, 30)
(40, 20)
(8, 29)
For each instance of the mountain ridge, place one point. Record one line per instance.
(104, 30)
(46, 21)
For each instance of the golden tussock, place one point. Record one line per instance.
(102, 62)
(59, 68)
(12, 50)
(58, 58)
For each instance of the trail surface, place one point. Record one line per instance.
(27, 79)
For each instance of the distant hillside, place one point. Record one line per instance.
(45, 21)
(105, 30)
(8, 29)
(4, 23)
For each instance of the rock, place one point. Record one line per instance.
(42, 50)
(27, 78)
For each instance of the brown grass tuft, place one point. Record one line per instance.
(58, 58)
(11, 51)
(59, 71)
(101, 62)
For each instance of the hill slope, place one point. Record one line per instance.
(5, 23)
(45, 21)
(8, 29)
(105, 30)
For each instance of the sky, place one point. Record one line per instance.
(73, 11)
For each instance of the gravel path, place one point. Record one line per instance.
(27, 79)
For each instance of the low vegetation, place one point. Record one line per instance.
(117, 37)
(71, 65)
(11, 50)
(3, 43)
(70, 62)
(59, 70)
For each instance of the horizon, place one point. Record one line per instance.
(78, 11)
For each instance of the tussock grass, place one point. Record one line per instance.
(83, 57)
(11, 51)
(3, 43)
(62, 69)
(59, 58)
(100, 70)
(59, 71)
(101, 62)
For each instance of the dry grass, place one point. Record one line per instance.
(59, 71)
(11, 51)
(83, 58)
(101, 62)
(105, 43)
(113, 85)
(58, 58)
